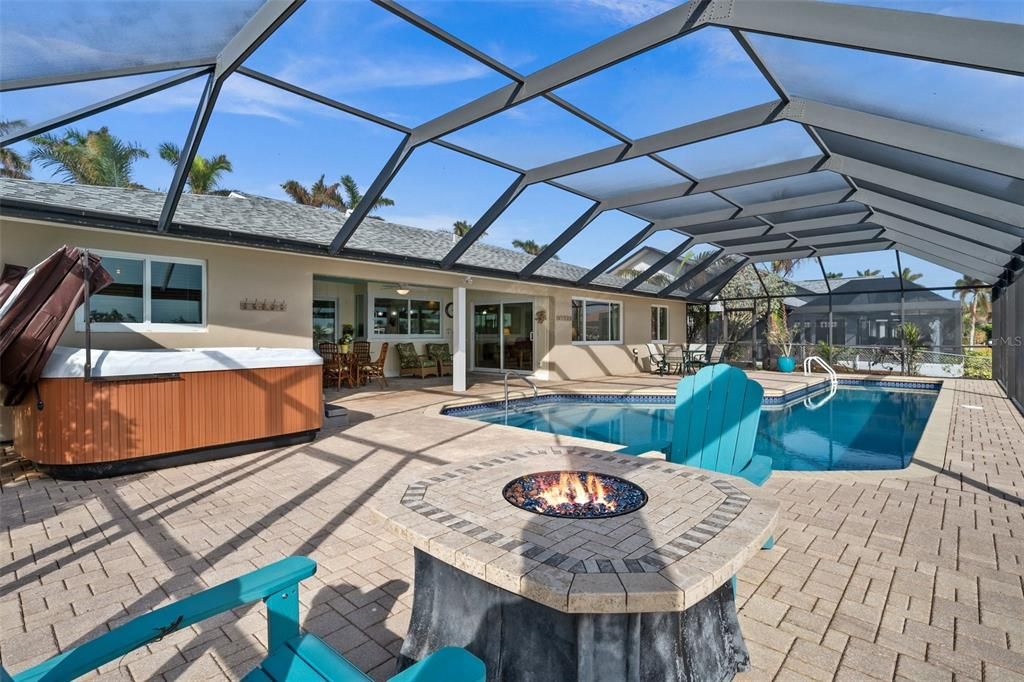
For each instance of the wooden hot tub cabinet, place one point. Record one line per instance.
(117, 425)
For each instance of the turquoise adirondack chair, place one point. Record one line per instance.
(292, 655)
(717, 410)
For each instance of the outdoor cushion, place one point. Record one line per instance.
(408, 359)
(439, 351)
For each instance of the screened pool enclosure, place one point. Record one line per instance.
(847, 129)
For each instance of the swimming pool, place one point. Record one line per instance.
(862, 427)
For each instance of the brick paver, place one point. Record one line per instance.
(871, 578)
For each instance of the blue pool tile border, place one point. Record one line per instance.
(642, 399)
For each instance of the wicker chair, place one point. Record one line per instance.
(361, 352)
(410, 364)
(442, 356)
(332, 363)
(375, 369)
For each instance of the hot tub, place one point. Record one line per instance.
(149, 409)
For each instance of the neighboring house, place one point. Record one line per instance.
(245, 270)
(642, 259)
(866, 312)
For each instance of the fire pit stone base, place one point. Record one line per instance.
(519, 637)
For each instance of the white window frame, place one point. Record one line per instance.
(622, 319)
(147, 298)
(372, 335)
(664, 335)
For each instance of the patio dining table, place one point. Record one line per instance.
(682, 357)
(644, 595)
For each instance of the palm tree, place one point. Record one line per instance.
(980, 300)
(95, 158)
(319, 194)
(13, 164)
(659, 279)
(461, 228)
(531, 247)
(868, 273)
(353, 196)
(833, 275)
(206, 172)
(785, 268)
(908, 275)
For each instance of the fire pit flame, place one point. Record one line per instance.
(571, 489)
(575, 494)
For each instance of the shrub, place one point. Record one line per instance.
(978, 364)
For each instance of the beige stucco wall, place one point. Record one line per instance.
(238, 273)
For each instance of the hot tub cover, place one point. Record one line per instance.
(70, 362)
(36, 307)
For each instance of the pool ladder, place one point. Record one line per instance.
(524, 378)
(809, 402)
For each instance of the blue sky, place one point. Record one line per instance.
(358, 53)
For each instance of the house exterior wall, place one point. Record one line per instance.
(234, 274)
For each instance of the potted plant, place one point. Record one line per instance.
(780, 336)
(345, 342)
(913, 347)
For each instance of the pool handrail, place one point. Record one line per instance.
(811, 404)
(524, 378)
(812, 359)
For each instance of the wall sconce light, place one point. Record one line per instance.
(402, 290)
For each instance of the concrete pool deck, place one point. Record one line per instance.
(869, 579)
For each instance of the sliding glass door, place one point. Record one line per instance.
(487, 336)
(503, 336)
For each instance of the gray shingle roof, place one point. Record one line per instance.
(275, 219)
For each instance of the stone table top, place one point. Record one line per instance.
(693, 535)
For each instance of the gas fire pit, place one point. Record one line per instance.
(565, 564)
(575, 494)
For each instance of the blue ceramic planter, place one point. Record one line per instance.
(786, 363)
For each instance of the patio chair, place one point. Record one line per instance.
(361, 349)
(375, 369)
(411, 364)
(332, 363)
(717, 411)
(659, 364)
(292, 655)
(716, 358)
(442, 356)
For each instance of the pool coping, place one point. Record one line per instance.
(928, 458)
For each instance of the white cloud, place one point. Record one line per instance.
(324, 75)
(26, 56)
(719, 47)
(628, 11)
(240, 95)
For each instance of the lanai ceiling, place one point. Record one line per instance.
(879, 170)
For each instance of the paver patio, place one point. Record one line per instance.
(912, 578)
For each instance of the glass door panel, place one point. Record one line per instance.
(486, 336)
(517, 333)
(325, 321)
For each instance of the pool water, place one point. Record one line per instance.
(858, 429)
